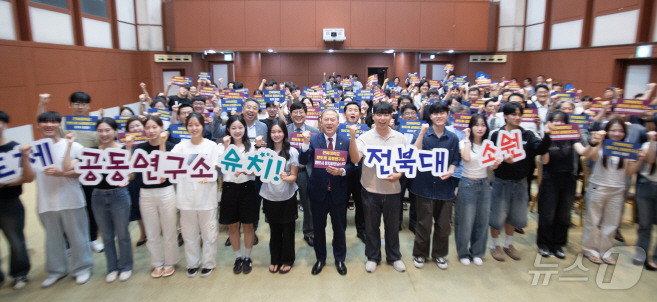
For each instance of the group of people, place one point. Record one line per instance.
(472, 197)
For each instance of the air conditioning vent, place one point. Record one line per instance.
(334, 34)
(488, 59)
(172, 58)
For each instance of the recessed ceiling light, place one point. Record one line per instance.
(432, 57)
(451, 51)
(331, 50)
(270, 50)
(389, 51)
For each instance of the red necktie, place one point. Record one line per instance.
(330, 147)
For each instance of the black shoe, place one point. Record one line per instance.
(650, 267)
(255, 239)
(247, 264)
(317, 268)
(405, 206)
(558, 252)
(309, 239)
(237, 267)
(543, 252)
(227, 243)
(180, 240)
(141, 242)
(520, 231)
(361, 236)
(619, 237)
(412, 229)
(342, 269)
(191, 272)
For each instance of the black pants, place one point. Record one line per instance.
(355, 192)
(436, 213)
(406, 184)
(93, 227)
(555, 201)
(338, 211)
(12, 223)
(281, 216)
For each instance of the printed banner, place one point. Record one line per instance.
(407, 159)
(325, 158)
(462, 121)
(208, 91)
(410, 126)
(179, 131)
(581, 120)
(41, 157)
(344, 129)
(474, 105)
(529, 115)
(621, 149)
(164, 114)
(139, 137)
(205, 75)
(274, 96)
(80, 122)
(632, 106)
(181, 81)
(449, 67)
(565, 132)
(228, 105)
(510, 144)
(373, 79)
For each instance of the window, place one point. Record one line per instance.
(96, 8)
(56, 3)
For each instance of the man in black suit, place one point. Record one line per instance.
(327, 190)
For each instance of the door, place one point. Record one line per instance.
(166, 77)
(380, 72)
(636, 79)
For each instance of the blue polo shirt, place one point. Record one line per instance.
(427, 185)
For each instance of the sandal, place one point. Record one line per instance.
(273, 268)
(285, 269)
(609, 260)
(594, 259)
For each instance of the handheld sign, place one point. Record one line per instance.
(460, 81)
(231, 94)
(365, 95)
(207, 91)
(529, 115)
(334, 106)
(312, 113)
(379, 94)
(349, 94)
(346, 83)
(434, 84)
(274, 96)
(564, 96)
(632, 106)
(344, 129)
(181, 81)
(204, 75)
(296, 139)
(513, 86)
(462, 121)
(334, 93)
(165, 115)
(490, 153)
(208, 117)
(413, 78)
(581, 120)
(80, 122)
(139, 137)
(621, 149)
(410, 126)
(325, 158)
(474, 105)
(483, 82)
(316, 96)
(261, 101)
(122, 119)
(244, 91)
(373, 79)
(179, 131)
(510, 144)
(228, 105)
(565, 132)
(449, 67)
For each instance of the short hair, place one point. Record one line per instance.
(132, 119)
(557, 84)
(197, 98)
(321, 115)
(331, 77)
(184, 106)
(561, 102)
(348, 88)
(251, 100)
(271, 83)
(80, 97)
(4, 117)
(294, 87)
(475, 89)
(433, 91)
(297, 106)
(127, 108)
(528, 80)
(350, 103)
(158, 100)
(382, 108)
(269, 105)
(511, 108)
(49, 116)
(387, 92)
(355, 75)
(438, 107)
(198, 116)
(258, 92)
(488, 101)
(238, 85)
(408, 107)
(542, 86)
(586, 98)
(515, 94)
(458, 108)
(558, 113)
(107, 120)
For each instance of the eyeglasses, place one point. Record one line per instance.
(80, 104)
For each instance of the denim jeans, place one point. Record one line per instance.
(508, 203)
(646, 201)
(112, 211)
(373, 206)
(70, 226)
(472, 213)
(12, 223)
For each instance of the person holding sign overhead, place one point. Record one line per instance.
(327, 189)
(380, 196)
(298, 125)
(605, 195)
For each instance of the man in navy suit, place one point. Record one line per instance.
(298, 116)
(328, 191)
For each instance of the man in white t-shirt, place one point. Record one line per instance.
(61, 207)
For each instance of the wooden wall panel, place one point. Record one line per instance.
(298, 24)
(402, 20)
(436, 32)
(470, 30)
(367, 30)
(263, 24)
(225, 29)
(191, 24)
(332, 14)
(605, 7)
(567, 10)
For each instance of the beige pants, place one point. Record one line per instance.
(603, 212)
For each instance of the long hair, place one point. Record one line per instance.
(610, 123)
(473, 121)
(245, 138)
(285, 151)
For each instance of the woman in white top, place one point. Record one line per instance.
(474, 195)
(280, 202)
(197, 201)
(239, 199)
(605, 195)
(646, 200)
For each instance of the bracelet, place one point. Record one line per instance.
(593, 145)
(466, 141)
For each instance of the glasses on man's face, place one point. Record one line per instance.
(409, 113)
(81, 105)
(298, 112)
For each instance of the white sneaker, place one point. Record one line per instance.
(370, 266)
(399, 266)
(20, 282)
(111, 277)
(418, 262)
(477, 261)
(465, 261)
(123, 276)
(83, 278)
(52, 279)
(97, 246)
(441, 262)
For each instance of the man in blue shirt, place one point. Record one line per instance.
(435, 195)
